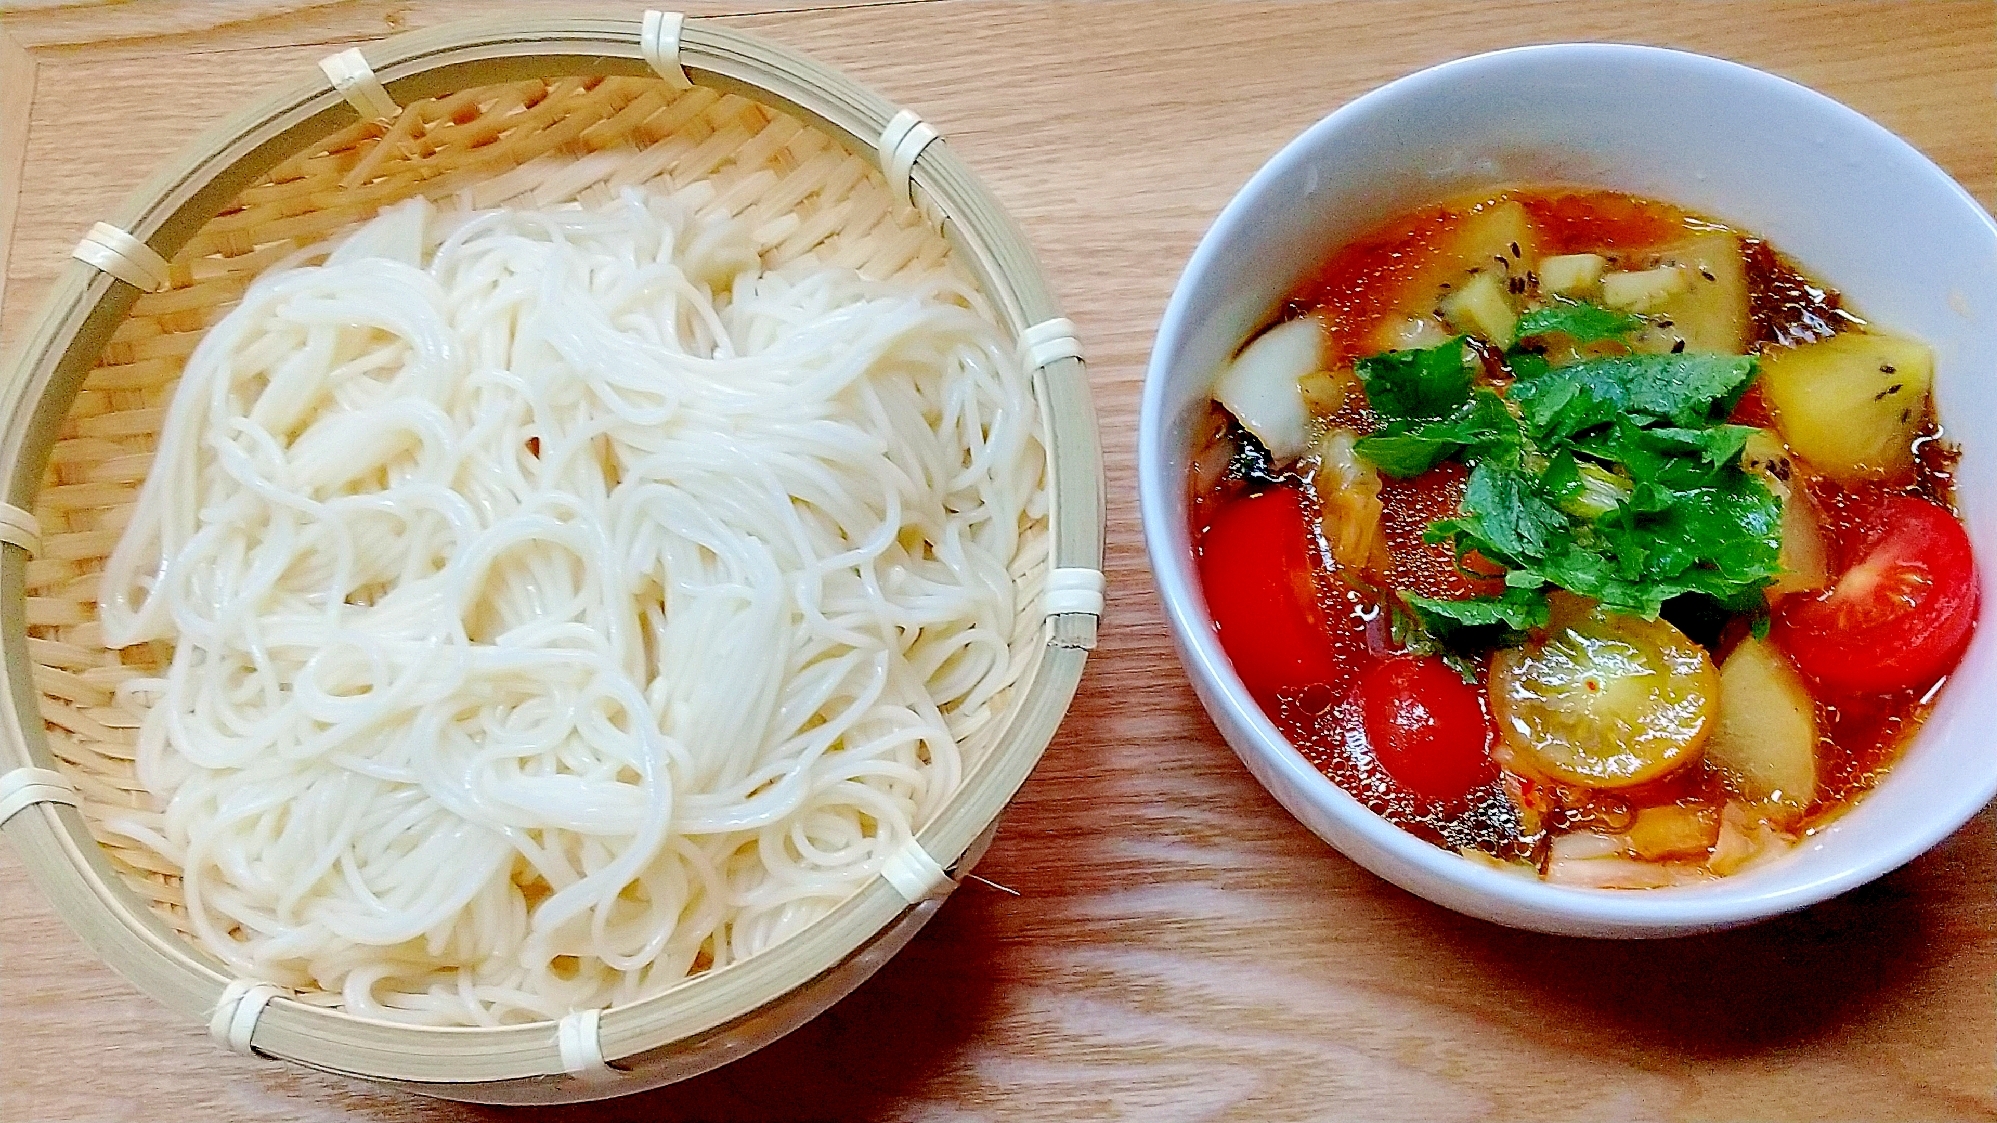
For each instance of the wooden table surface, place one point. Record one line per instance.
(1179, 947)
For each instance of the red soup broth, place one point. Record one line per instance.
(1346, 622)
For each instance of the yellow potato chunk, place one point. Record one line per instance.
(1673, 831)
(1805, 558)
(1852, 404)
(1482, 309)
(1498, 240)
(1710, 313)
(1766, 739)
(1605, 700)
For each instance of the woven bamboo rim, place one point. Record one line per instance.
(79, 386)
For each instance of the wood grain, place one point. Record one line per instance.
(1179, 948)
(17, 94)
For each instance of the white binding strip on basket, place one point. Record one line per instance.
(235, 1019)
(24, 787)
(914, 874)
(20, 528)
(660, 42)
(579, 1036)
(1074, 589)
(1050, 341)
(115, 252)
(900, 146)
(354, 79)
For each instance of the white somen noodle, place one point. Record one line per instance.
(561, 604)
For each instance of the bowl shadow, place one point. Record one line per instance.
(1784, 982)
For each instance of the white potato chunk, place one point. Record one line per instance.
(1643, 290)
(1806, 563)
(1262, 386)
(1413, 333)
(1852, 404)
(1571, 274)
(1766, 738)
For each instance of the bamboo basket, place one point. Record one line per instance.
(531, 113)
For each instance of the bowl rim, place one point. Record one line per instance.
(1442, 876)
(524, 1062)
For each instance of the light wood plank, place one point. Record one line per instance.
(17, 95)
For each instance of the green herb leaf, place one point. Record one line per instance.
(1507, 516)
(1422, 385)
(1684, 391)
(1686, 525)
(1479, 427)
(1722, 538)
(1516, 609)
(1479, 622)
(1614, 477)
(1577, 320)
(1411, 635)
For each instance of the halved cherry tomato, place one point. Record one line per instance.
(1900, 613)
(1605, 700)
(1427, 727)
(1256, 571)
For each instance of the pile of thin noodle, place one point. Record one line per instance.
(561, 604)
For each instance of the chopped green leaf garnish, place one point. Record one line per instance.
(1685, 391)
(1577, 320)
(1478, 622)
(1515, 609)
(1507, 516)
(1721, 537)
(1423, 385)
(1479, 427)
(1614, 477)
(1583, 489)
(1623, 486)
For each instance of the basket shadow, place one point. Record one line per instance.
(940, 992)
(1781, 983)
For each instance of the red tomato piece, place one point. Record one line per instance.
(1256, 571)
(1421, 567)
(1752, 409)
(1427, 727)
(1900, 613)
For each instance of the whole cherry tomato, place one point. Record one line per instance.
(1427, 727)
(1257, 573)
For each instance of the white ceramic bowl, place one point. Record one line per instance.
(1855, 205)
